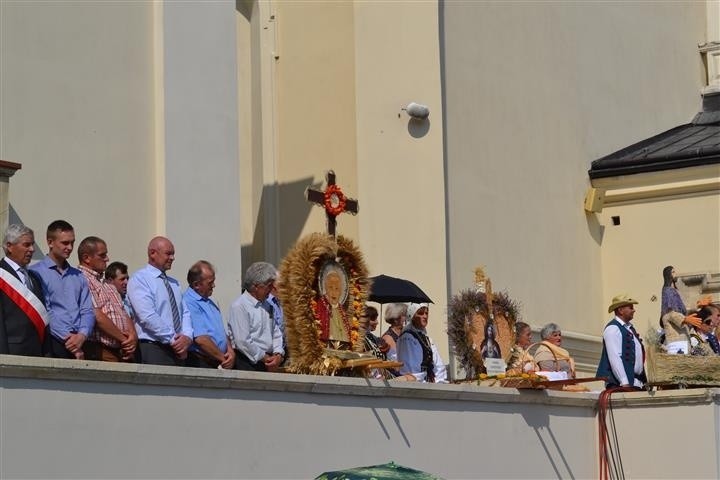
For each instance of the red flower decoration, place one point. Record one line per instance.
(334, 200)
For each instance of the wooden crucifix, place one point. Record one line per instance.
(333, 200)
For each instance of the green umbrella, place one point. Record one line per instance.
(388, 471)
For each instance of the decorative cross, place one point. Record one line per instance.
(333, 200)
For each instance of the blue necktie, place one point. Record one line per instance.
(177, 325)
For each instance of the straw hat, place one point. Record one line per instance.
(620, 301)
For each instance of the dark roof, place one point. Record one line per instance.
(693, 144)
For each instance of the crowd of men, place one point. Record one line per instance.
(98, 312)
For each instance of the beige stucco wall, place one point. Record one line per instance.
(340, 89)
(316, 114)
(76, 110)
(683, 232)
(126, 126)
(400, 160)
(200, 164)
(534, 92)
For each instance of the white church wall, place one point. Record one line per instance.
(534, 93)
(76, 110)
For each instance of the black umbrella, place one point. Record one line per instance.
(387, 289)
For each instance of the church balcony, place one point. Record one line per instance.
(82, 419)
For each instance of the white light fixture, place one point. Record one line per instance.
(415, 110)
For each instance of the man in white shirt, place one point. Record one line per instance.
(258, 338)
(623, 355)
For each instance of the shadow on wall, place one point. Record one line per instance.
(595, 229)
(280, 218)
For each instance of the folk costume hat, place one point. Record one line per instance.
(413, 309)
(621, 301)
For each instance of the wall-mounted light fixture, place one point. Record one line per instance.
(415, 110)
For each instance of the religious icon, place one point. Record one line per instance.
(480, 325)
(489, 348)
(332, 312)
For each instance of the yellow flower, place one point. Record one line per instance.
(525, 375)
(500, 375)
(483, 376)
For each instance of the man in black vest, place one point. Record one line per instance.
(623, 355)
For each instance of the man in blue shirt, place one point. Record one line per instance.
(211, 347)
(67, 296)
(162, 323)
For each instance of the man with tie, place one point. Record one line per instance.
(623, 355)
(23, 317)
(163, 325)
(257, 337)
(67, 296)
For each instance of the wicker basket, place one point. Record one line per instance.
(663, 368)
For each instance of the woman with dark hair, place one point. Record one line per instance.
(373, 344)
(673, 316)
(703, 339)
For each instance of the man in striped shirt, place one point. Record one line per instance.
(114, 338)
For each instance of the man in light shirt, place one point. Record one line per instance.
(622, 360)
(163, 325)
(257, 337)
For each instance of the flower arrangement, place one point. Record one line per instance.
(335, 200)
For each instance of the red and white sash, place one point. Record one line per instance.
(26, 300)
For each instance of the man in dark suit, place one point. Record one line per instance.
(23, 318)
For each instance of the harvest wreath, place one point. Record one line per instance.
(467, 315)
(301, 293)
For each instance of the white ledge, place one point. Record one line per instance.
(138, 374)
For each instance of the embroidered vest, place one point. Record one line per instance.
(427, 365)
(627, 356)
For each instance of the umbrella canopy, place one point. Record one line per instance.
(387, 289)
(388, 471)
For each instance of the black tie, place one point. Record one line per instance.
(173, 305)
(634, 332)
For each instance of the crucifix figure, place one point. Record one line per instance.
(333, 200)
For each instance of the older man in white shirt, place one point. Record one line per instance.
(258, 338)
